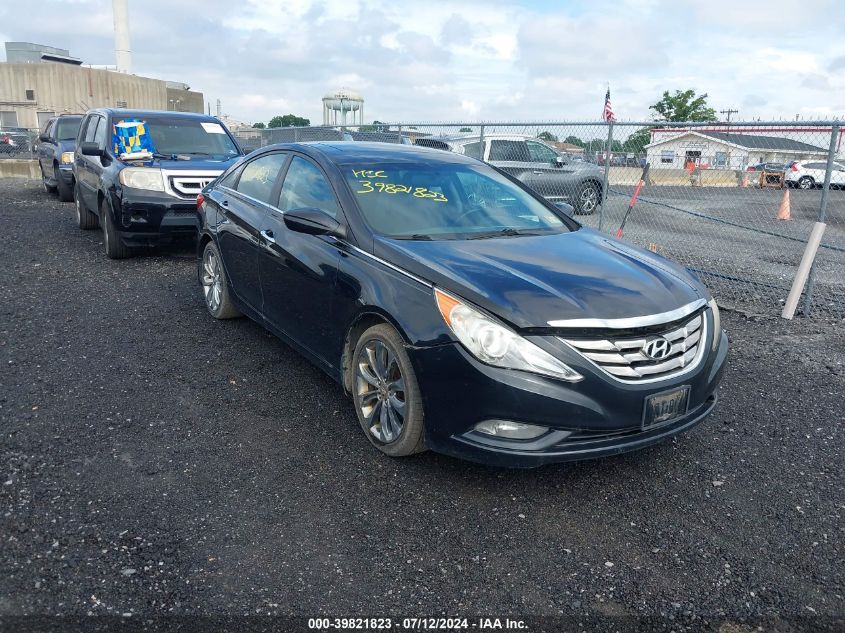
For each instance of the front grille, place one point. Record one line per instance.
(624, 356)
(189, 186)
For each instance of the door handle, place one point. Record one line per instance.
(268, 235)
(538, 172)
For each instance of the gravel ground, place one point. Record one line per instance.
(157, 462)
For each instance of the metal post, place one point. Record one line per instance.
(481, 140)
(606, 172)
(811, 281)
(295, 135)
(400, 134)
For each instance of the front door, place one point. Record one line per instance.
(89, 168)
(298, 271)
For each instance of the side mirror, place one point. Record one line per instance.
(90, 148)
(43, 138)
(313, 221)
(560, 161)
(567, 208)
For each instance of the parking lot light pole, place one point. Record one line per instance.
(811, 280)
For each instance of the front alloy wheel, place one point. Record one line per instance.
(386, 393)
(806, 182)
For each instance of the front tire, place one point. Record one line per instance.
(215, 285)
(47, 187)
(587, 199)
(806, 182)
(84, 218)
(115, 248)
(386, 393)
(64, 189)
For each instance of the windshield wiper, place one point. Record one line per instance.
(161, 156)
(415, 236)
(505, 232)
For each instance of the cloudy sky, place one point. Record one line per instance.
(468, 59)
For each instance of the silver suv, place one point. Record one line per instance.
(553, 175)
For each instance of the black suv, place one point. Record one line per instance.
(145, 197)
(56, 145)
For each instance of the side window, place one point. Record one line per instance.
(509, 150)
(306, 186)
(48, 127)
(100, 134)
(541, 153)
(231, 178)
(474, 150)
(90, 128)
(259, 176)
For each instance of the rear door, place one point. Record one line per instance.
(243, 200)
(298, 271)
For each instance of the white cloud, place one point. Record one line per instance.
(475, 59)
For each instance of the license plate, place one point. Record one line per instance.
(666, 406)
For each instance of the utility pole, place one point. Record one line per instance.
(729, 112)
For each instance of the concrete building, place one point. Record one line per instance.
(37, 82)
(726, 150)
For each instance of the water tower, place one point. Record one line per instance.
(342, 101)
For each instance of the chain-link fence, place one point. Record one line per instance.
(18, 142)
(735, 203)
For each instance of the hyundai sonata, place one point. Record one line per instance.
(462, 312)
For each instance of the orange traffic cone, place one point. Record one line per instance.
(784, 213)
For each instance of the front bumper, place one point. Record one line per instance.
(595, 417)
(149, 217)
(66, 174)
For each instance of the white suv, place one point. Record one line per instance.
(806, 174)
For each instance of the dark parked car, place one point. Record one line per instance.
(147, 196)
(553, 175)
(462, 311)
(15, 141)
(56, 145)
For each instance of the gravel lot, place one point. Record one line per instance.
(157, 462)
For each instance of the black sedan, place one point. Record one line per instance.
(461, 311)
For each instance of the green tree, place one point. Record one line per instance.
(465, 129)
(288, 120)
(636, 143)
(684, 106)
(547, 136)
(259, 125)
(574, 140)
(377, 126)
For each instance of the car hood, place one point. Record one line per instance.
(531, 280)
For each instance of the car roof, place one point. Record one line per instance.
(345, 152)
(141, 113)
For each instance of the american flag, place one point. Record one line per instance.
(607, 115)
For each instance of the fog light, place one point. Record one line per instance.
(510, 430)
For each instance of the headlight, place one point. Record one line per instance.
(142, 178)
(717, 323)
(67, 158)
(494, 344)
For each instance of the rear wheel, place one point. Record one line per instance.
(386, 394)
(115, 248)
(84, 218)
(806, 182)
(215, 285)
(587, 198)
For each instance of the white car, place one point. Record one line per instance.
(807, 174)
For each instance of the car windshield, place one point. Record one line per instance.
(180, 135)
(66, 128)
(443, 201)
